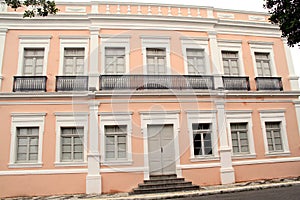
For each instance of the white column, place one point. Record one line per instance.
(215, 59)
(227, 171)
(292, 75)
(94, 58)
(93, 179)
(2, 45)
(94, 9)
(297, 109)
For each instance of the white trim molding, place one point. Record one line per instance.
(195, 43)
(297, 110)
(71, 41)
(33, 41)
(3, 32)
(73, 120)
(156, 42)
(124, 118)
(160, 117)
(265, 161)
(274, 116)
(242, 116)
(195, 116)
(20, 120)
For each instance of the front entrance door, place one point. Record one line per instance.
(161, 149)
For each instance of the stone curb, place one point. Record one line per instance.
(203, 192)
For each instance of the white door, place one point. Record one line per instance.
(161, 149)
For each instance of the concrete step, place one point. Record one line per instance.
(160, 177)
(168, 180)
(164, 189)
(163, 185)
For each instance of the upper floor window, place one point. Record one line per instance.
(156, 61)
(196, 61)
(73, 61)
(202, 139)
(33, 61)
(263, 64)
(115, 60)
(230, 63)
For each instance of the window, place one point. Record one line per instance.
(196, 61)
(239, 137)
(274, 132)
(230, 63)
(33, 61)
(74, 61)
(27, 144)
(72, 144)
(114, 60)
(263, 64)
(26, 140)
(202, 139)
(274, 136)
(156, 61)
(115, 142)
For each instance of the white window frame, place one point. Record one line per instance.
(233, 46)
(71, 119)
(263, 47)
(32, 42)
(117, 118)
(156, 42)
(242, 116)
(115, 41)
(67, 41)
(209, 117)
(196, 43)
(274, 116)
(20, 120)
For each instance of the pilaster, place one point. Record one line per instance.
(226, 171)
(93, 179)
(297, 109)
(94, 58)
(3, 32)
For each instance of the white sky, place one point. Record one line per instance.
(251, 5)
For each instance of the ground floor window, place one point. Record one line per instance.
(115, 142)
(27, 144)
(274, 136)
(72, 144)
(202, 139)
(239, 137)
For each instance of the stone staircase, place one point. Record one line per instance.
(164, 183)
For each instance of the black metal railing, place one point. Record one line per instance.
(269, 83)
(236, 82)
(71, 83)
(29, 83)
(140, 82)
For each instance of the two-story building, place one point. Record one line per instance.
(102, 96)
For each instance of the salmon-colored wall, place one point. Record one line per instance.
(203, 177)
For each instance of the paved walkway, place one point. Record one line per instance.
(238, 187)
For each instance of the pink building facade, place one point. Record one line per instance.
(100, 97)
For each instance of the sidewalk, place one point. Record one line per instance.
(211, 190)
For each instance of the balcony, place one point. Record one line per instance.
(141, 82)
(29, 84)
(236, 83)
(269, 83)
(71, 83)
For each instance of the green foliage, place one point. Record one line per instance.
(286, 13)
(35, 7)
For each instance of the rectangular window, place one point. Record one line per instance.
(71, 144)
(274, 136)
(239, 136)
(33, 62)
(263, 64)
(114, 60)
(196, 61)
(156, 61)
(202, 139)
(27, 144)
(115, 142)
(73, 61)
(230, 63)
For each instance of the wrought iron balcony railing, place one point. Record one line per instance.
(236, 82)
(71, 83)
(29, 83)
(269, 83)
(140, 82)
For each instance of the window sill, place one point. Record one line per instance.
(243, 156)
(283, 153)
(204, 158)
(71, 164)
(117, 162)
(24, 165)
